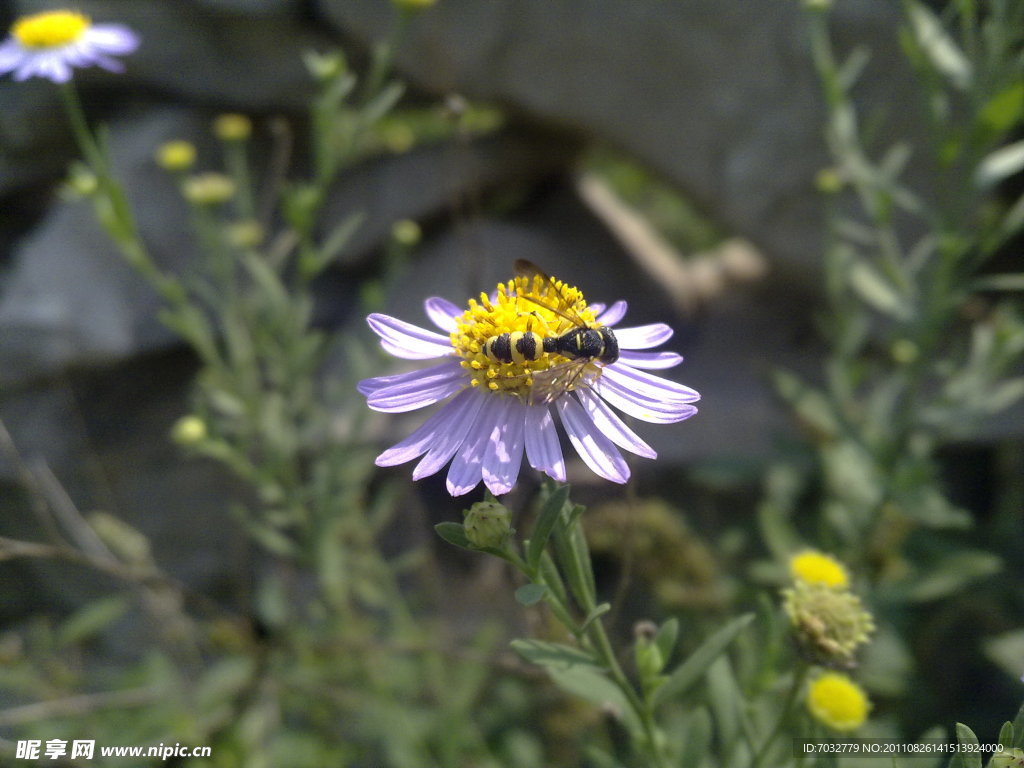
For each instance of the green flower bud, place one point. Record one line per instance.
(208, 189)
(829, 624)
(488, 524)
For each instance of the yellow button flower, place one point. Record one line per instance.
(813, 567)
(838, 702)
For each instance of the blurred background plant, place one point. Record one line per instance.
(663, 628)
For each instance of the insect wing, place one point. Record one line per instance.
(529, 270)
(551, 383)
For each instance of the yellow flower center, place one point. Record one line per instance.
(50, 29)
(513, 310)
(838, 702)
(813, 567)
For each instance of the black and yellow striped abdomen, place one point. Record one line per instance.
(514, 347)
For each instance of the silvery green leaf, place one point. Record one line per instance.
(530, 594)
(1000, 164)
(878, 292)
(548, 654)
(696, 666)
(944, 54)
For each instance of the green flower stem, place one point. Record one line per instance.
(594, 635)
(112, 206)
(799, 678)
(236, 162)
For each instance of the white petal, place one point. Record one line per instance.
(542, 446)
(643, 336)
(594, 448)
(408, 341)
(613, 314)
(650, 360)
(442, 313)
(112, 38)
(445, 442)
(369, 386)
(649, 386)
(504, 454)
(430, 432)
(654, 411)
(432, 385)
(611, 425)
(466, 470)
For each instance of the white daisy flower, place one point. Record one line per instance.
(515, 363)
(53, 43)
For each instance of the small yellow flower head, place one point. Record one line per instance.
(829, 625)
(325, 66)
(189, 430)
(82, 181)
(50, 29)
(829, 181)
(488, 524)
(247, 233)
(413, 5)
(176, 155)
(406, 232)
(812, 567)
(838, 702)
(208, 189)
(232, 127)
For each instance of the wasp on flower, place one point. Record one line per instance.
(514, 361)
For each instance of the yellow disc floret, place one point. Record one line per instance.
(838, 702)
(524, 305)
(813, 567)
(50, 29)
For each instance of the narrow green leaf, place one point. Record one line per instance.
(382, 103)
(952, 573)
(694, 668)
(1000, 164)
(944, 54)
(590, 683)
(553, 579)
(530, 594)
(1006, 736)
(92, 619)
(337, 239)
(666, 638)
(1004, 109)
(454, 533)
(1018, 728)
(878, 292)
(696, 738)
(548, 654)
(546, 521)
(595, 614)
(966, 738)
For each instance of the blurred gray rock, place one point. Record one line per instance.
(719, 96)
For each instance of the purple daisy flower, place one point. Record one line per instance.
(514, 365)
(51, 44)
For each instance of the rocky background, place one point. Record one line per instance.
(717, 97)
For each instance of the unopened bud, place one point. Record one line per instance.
(488, 524)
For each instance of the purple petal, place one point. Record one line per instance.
(613, 314)
(432, 385)
(594, 448)
(650, 360)
(643, 336)
(649, 386)
(611, 426)
(542, 447)
(442, 313)
(11, 56)
(466, 470)
(446, 441)
(654, 411)
(369, 386)
(408, 341)
(504, 453)
(112, 38)
(431, 431)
